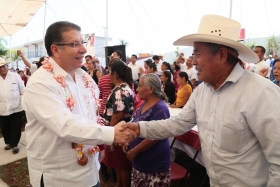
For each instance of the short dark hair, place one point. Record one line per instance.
(276, 60)
(134, 56)
(54, 33)
(155, 57)
(89, 56)
(262, 48)
(119, 53)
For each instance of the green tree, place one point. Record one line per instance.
(3, 50)
(122, 42)
(272, 46)
(14, 56)
(251, 45)
(177, 51)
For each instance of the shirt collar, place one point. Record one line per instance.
(57, 70)
(236, 74)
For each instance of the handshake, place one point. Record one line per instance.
(126, 132)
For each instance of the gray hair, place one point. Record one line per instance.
(152, 80)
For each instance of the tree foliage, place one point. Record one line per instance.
(3, 50)
(122, 42)
(272, 46)
(251, 45)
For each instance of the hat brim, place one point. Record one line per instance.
(2, 64)
(245, 54)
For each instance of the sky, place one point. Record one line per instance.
(150, 26)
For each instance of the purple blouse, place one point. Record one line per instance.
(157, 158)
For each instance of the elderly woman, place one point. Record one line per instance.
(119, 107)
(168, 86)
(184, 91)
(150, 158)
(276, 72)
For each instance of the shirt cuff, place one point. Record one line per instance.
(108, 135)
(143, 130)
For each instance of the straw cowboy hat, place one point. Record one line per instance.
(3, 62)
(220, 30)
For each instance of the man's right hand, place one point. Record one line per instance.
(123, 136)
(19, 53)
(134, 126)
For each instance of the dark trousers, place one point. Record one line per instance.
(11, 128)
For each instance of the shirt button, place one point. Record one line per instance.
(212, 111)
(210, 130)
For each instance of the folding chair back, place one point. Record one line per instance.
(190, 138)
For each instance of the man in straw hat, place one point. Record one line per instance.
(12, 88)
(237, 112)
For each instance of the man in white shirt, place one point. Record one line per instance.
(261, 65)
(61, 102)
(134, 68)
(236, 112)
(190, 70)
(158, 63)
(181, 61)
(12, 88)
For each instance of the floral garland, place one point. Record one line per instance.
(82, 159)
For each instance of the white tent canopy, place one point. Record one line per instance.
(15, 14)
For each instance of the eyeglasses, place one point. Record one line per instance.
(74, 44)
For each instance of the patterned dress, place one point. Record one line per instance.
(120, 99)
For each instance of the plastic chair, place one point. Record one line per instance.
(190, 138)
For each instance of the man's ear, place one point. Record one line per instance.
(55, 50)
(223, 54)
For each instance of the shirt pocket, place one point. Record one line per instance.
(232, 137)
(68, 162)
(14, 87)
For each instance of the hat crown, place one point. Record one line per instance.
(219, 26)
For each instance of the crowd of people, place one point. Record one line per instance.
(81, 118)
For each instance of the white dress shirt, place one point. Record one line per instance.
(135, 70)
(191, 73)
(159, 71)
(33, 68)
(238, 125)
(52, 128)
(12, 88)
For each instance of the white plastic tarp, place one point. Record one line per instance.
(15, 14)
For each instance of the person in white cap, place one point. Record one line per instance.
(12, 88)
(236, 112)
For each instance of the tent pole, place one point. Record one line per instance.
(10, 47)
(44, 30)
(230, 9)
(106, 22)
